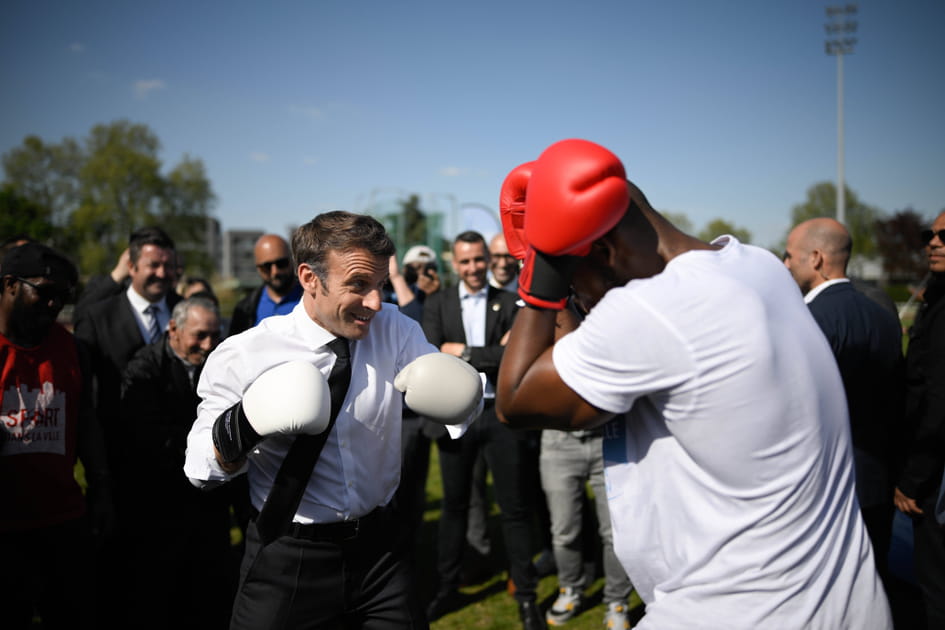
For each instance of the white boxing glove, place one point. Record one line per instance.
(290, 398)
(441, 387)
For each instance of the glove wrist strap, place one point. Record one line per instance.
(233, 435)
(551, 276)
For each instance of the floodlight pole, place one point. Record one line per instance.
(842, 45)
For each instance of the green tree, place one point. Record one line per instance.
(901, 247)
(717, 227)
(860, 217)
(410, 225)
(46, 175)
(111, 183)
(184, 208)
(20, 216)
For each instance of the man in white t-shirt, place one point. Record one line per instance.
(730, 483)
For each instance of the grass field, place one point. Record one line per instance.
(489, 604)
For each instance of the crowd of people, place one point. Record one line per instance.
(726, 433)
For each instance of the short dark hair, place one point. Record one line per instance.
(150, 235)
(470, 236)
(338, 231)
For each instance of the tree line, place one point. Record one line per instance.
(85, 197)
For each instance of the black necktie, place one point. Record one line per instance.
(296, 469)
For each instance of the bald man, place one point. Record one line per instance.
(503, 268)
(279, 292)
(866, 340)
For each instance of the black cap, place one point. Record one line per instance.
(33, 260)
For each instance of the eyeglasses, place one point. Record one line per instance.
(928, 235)
(49, 292)
(502, 256)
(280, 263)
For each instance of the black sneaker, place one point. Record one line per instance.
(531, 616)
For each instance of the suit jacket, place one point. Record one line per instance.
(159, 405)
(866, 340)
(110, 333)
(924, 451)
(443, 322)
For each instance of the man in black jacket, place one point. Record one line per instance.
(471, 321)
(279, 292)
(924, 455)
(182, 549)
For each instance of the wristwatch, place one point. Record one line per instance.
(466, 354)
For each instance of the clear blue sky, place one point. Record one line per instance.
(717, 108)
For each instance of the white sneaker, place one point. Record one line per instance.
(616, 616)
(565, 607)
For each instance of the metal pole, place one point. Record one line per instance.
(841, 197)
(840, 29)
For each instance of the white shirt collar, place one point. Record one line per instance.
(463, 291)
(312, 333)
(820, 288)
(139, 303)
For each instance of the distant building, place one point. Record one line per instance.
(237, 263)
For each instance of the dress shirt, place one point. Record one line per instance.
(474, 323)
(820, 288)
(359, 467)
(139, 304)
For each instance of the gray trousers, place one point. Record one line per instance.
(569, 461)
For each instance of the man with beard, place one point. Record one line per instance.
(112, 330)
(279, 292)
(47, 421)
(923, 458)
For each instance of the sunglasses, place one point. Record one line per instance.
(280, 263)
(50, 292)
(928, 235)
(502, 256)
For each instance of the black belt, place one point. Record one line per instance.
(339, 531)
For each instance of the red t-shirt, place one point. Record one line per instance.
(40, 389)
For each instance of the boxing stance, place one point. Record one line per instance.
(320, 552)
(729, 481)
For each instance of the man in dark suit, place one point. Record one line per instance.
(113, 329)
(471, 321)
(182, 550)
(866, 341)
(920, 478)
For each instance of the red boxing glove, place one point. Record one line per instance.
(512, 208)
(577, 193)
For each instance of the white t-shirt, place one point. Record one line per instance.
(730, 483)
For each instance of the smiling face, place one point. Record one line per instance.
(350, 294)
(503, 265)
(471, 261)
(154, 273)
(197, 336)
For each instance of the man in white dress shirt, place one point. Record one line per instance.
(334, 563)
